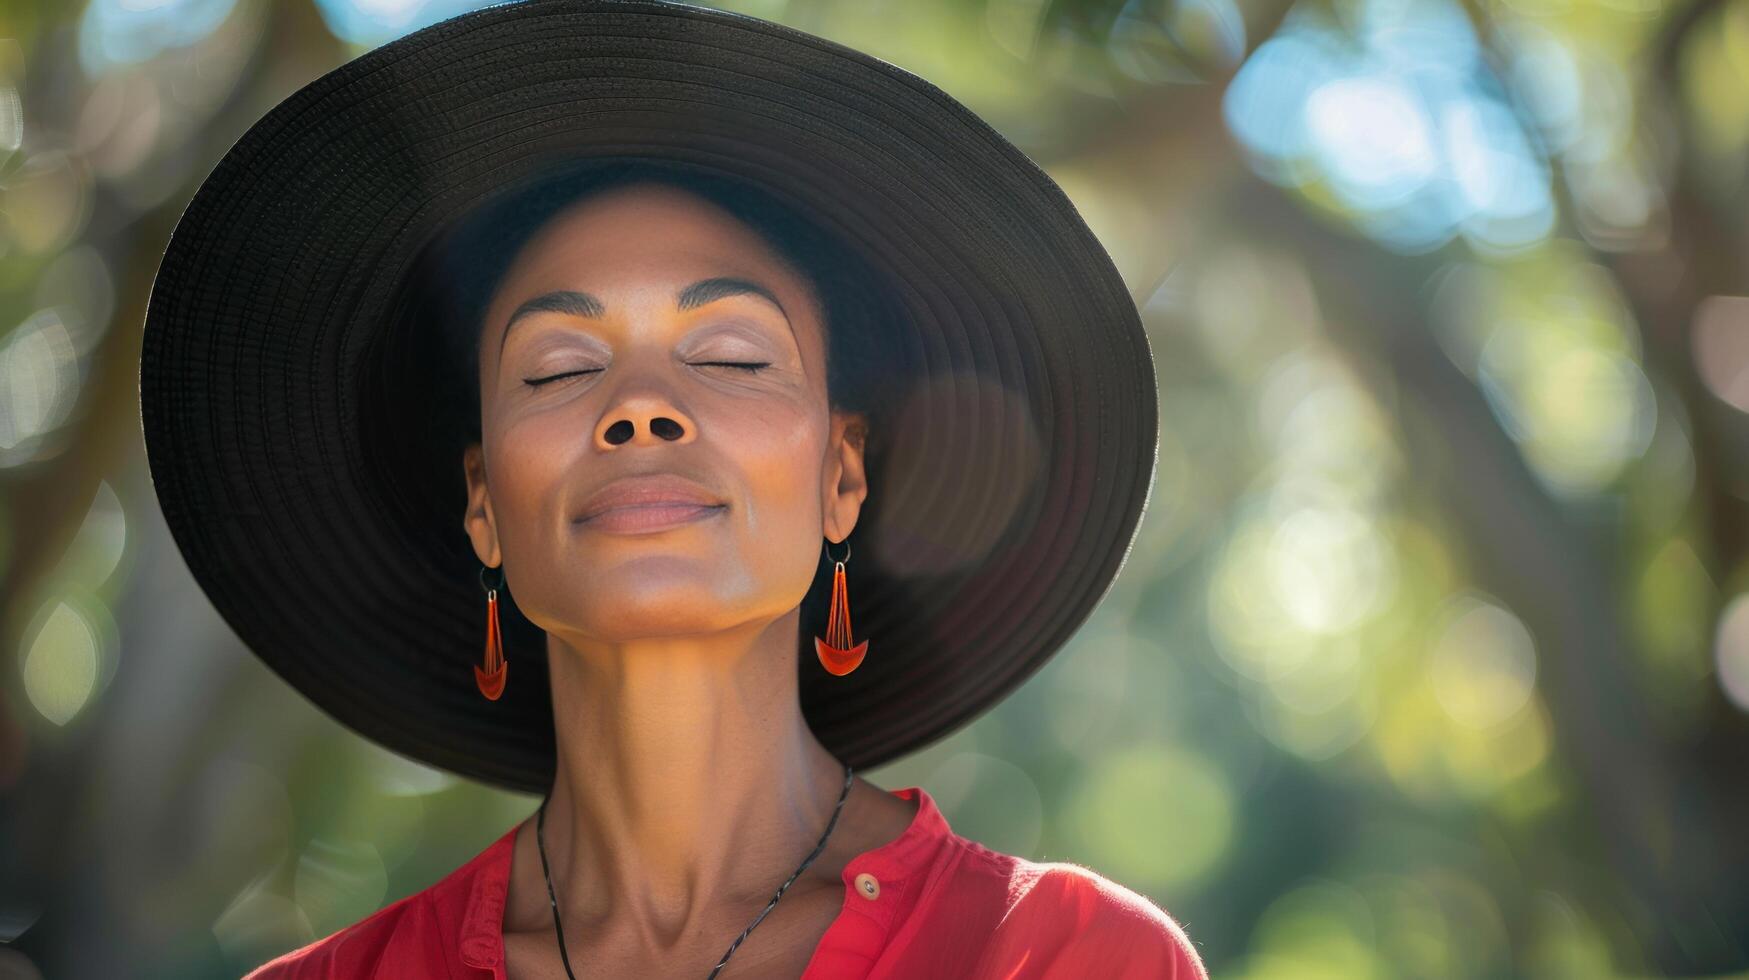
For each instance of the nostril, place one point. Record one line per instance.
(667, 428)
(619, 432)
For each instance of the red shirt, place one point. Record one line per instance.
(928, 904)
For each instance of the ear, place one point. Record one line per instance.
(844, 483)
(478, 522)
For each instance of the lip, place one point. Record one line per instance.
(656, 517)
(648, 502)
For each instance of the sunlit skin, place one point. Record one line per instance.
(689, 787)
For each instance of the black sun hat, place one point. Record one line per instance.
(290, 419)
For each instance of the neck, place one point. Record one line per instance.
(688, 780)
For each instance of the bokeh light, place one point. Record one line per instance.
(1009, 813)
(122, 32)
(1552, 347)
(1405, 130)
(1161, 812)
(1482, 664)
(39, 385)
(68, 656)
(1732, 651)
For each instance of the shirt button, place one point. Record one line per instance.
(868, 885)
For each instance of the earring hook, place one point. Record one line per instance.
(846, 552)
(498, 578)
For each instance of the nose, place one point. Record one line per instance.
(643, 419)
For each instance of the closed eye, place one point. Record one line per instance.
(537, 382)
(751, 367)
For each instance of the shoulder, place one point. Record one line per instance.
(1114, 917)
(1094, 926)
(416, 935)
(353, 951)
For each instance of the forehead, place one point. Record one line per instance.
(648, 229)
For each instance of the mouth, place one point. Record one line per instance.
(646, 518)
(648, 502)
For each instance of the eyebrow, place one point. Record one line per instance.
(583, 304)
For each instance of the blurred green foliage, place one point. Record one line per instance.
(1431, 658)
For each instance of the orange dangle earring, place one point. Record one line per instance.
(491, 679)
(836, 653)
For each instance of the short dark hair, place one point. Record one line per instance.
(464, 265)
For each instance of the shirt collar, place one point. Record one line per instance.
(482, 930)
(896, 865)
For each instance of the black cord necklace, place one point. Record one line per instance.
(541, 837)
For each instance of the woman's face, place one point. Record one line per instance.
(644, 381)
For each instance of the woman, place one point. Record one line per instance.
(679, 384)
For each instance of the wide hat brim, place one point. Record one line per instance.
(276, 413)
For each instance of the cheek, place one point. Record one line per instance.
(529, 462)
(779, 451)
